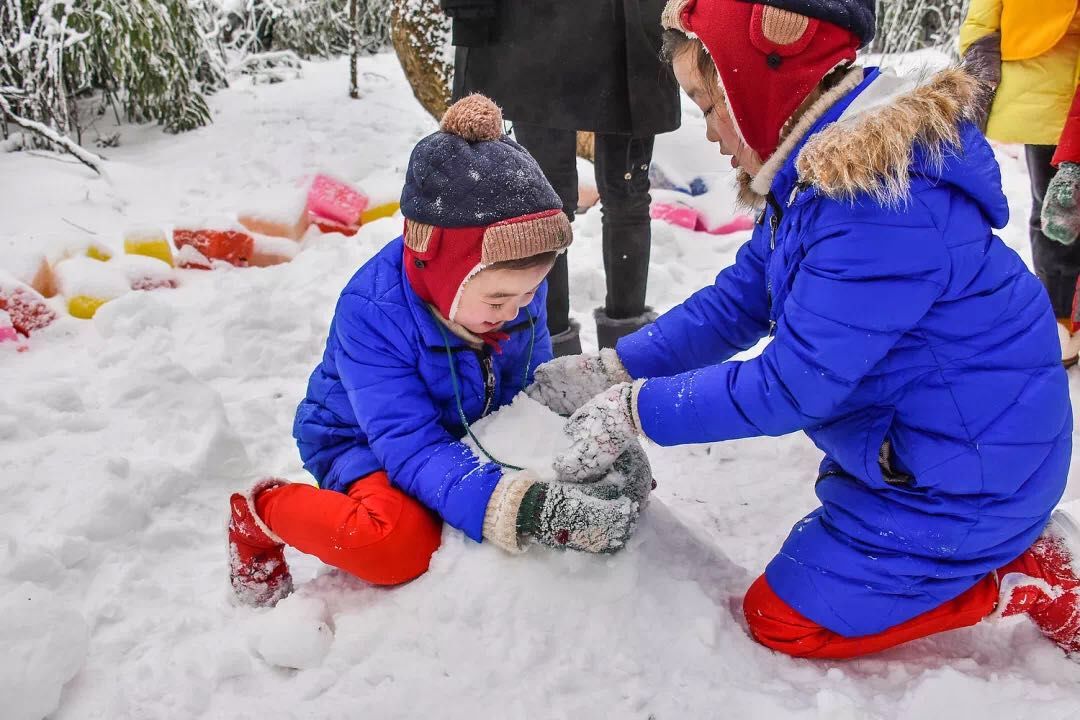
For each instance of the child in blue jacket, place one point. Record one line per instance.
(443, 326)
(913, 347)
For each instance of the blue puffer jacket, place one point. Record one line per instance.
(912, 346)
(383, 398)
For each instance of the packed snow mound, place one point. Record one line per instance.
(524, 434)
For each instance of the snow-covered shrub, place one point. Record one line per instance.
(309, 28)
(907, 25)
(153, 59)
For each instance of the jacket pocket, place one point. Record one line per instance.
(890, 472)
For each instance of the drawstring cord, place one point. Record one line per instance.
(457, 385)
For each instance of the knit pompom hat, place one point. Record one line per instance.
(474, 197)
(771, 55)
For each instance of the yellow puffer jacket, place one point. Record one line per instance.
(1040, 53)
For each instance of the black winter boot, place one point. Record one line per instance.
(609, 330)
(568, 342)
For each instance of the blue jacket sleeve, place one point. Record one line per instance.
(711, 325)
(378, 369)
(858, 289)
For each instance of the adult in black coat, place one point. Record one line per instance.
(559, 66)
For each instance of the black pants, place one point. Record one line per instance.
(1056, 265)
(622, 178)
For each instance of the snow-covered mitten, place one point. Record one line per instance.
(556, 514)
(599, 433)
(257, 569)
(634, 473)
(566, 383)
(1044, 582)
(1061, 209)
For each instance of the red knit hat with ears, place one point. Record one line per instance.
(769, 59)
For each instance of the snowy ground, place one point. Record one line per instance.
(121, 437)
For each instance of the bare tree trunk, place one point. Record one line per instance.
(354, 55)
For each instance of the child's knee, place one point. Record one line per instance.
(774, 623)
(408, 536)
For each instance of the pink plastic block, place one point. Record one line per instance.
(334, 200)
(680, 215)
(736, 224)
(9, 336)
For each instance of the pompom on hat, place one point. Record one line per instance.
(771, 55)
(474, 197)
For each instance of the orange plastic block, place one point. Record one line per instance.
(231, 246)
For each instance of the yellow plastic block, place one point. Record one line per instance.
(380, 211)
(97, 252)
(155, 246)
(84, 306)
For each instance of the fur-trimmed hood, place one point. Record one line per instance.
(892, 129)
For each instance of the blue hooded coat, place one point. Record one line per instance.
(913, 347)
(383, 397)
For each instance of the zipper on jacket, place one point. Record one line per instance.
(774, 224)
(487, 367)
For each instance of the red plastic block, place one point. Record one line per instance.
(229, 246)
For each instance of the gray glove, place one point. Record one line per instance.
(983, 61)
(566, 383)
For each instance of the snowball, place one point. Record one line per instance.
(294, 634)
(44, 644)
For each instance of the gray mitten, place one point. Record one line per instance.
(566, 383)
(558, 515)
(1061, 206)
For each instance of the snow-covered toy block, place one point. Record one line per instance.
(279, 213)
(739, 223)
(88, 284)
(329, 226)
(231, 246)
(26, 308)
(676, 214)
(273, 251)
(99, 252)
(85, 307)
(149, 242)
(333, 200)
(377, 212)
(9, 336)
(146, 273)
(31, 269)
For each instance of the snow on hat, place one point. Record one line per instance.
(771, 55)
(474, 197)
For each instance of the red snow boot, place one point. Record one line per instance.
(257, 568)
(1044, 582)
